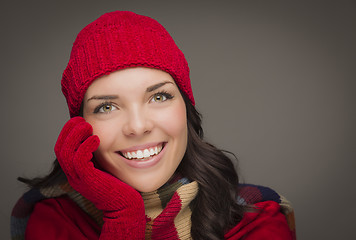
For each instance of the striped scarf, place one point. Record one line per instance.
(167, 209)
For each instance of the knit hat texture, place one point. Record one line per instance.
(119, 40)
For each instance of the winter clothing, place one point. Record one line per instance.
(91, 203)
(74, 149)
(119, 210)
(120, 40)
(167, 214)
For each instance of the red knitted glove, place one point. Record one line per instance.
(123, 208)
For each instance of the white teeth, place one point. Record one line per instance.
(145, 153)
(139, 154)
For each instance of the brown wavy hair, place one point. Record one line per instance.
(215, 209)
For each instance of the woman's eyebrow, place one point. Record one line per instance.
(110, 97)
(103, 97)
(158, 85)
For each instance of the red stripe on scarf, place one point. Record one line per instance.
(163, 226)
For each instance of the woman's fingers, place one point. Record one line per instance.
(67, 128)
(82, 163)
(76, 132)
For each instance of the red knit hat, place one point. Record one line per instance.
(119, 40)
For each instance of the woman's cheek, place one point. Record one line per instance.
(102, 130)
(172, 121)
(177, 119)
(106, 136)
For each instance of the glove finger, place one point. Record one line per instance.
(103, 189)
(83, 165)
(75, 138)
(67, 128)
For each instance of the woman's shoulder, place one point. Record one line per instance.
(268, 214)
(262, 220)
(60, 218)
(251, 194)
(43, 210)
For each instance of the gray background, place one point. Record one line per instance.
(275, 81)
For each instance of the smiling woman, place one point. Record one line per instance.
(132, 162)
(146, 116)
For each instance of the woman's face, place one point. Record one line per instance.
(140, 118)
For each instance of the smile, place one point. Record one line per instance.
(144, 153)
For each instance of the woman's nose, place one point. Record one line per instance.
(137, 123)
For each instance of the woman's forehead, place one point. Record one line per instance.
(138, 78)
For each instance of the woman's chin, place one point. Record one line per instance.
(145, 188)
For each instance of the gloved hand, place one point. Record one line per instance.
(122, 206)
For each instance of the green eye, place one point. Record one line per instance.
(159, 98)
(106, 108)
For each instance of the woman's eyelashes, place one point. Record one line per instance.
(161, 96)
(105, 107)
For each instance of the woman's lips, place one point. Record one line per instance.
(144, 162)
(143, 153)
